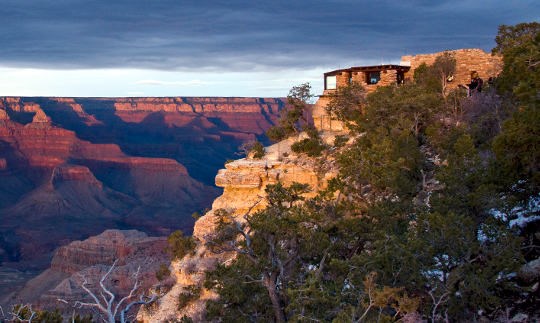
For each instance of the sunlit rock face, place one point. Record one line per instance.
(74, 167)
(244, 182)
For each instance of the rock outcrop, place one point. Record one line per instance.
(91, 258)
(244, 182)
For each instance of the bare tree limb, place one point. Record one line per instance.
(107, 307)
(131, 292)
(141, 301)
(17, 316)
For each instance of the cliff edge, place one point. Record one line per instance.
(244, 182)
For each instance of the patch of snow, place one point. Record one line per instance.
(520, 215)
(434, 273)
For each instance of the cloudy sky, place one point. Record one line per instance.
(225, 47)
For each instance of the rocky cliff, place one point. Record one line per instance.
(244, 182)
(73, 167)
(91, 258)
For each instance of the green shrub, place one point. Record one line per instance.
(308, 146)
(340, 141)
(179, 246)
(311, 146)
(276, 133)
(163, 272)
(257, 150)
(190, 294)
(312, 132)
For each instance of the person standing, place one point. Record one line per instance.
(476, 84)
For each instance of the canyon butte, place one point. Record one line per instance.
(71, 168)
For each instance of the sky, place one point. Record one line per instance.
(226, 47)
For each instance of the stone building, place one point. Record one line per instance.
(372, 77)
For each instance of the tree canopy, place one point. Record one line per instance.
(416, 226)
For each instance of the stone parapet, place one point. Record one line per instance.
(467, 61)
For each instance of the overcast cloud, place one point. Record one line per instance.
(241, 36)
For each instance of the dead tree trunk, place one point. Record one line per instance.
(269, 282)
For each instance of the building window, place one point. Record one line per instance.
(330, 82)
(373, 77)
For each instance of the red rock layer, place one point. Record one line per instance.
(73, 167)
(91, 258)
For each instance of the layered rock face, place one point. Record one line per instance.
(244, 182)
(73, 167)
(91, 259)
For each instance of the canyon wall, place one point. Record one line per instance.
(71, 168)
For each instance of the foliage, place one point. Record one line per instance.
(163, 272)
(257, 150)
(435, 78)
(517, 147)
(292, 118)
(346, 105)
(23, 313)
(409, 107)
(407, 229)
(253, 148)
(190, 294)
(179, 246)
(340, 141)
(26, 313)
(269, 244)
(520, 47)
(311, 146)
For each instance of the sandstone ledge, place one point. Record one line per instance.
(244, 182)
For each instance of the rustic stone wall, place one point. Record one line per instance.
(388, 77)
(467, 60)
(342, 79)
(321, 119)
(359, 77)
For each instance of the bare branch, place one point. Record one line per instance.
(17, 316)
(136, 286)
(436, 303)
(141, 301)
(102, 285)
(91, 294)
(108, 310)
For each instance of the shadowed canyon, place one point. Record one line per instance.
(71, 168)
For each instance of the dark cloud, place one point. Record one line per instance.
(233, 35)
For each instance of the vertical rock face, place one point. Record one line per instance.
(73, 167)
(243, 182)
(3, 114)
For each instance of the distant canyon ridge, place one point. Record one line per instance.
(72, 167)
